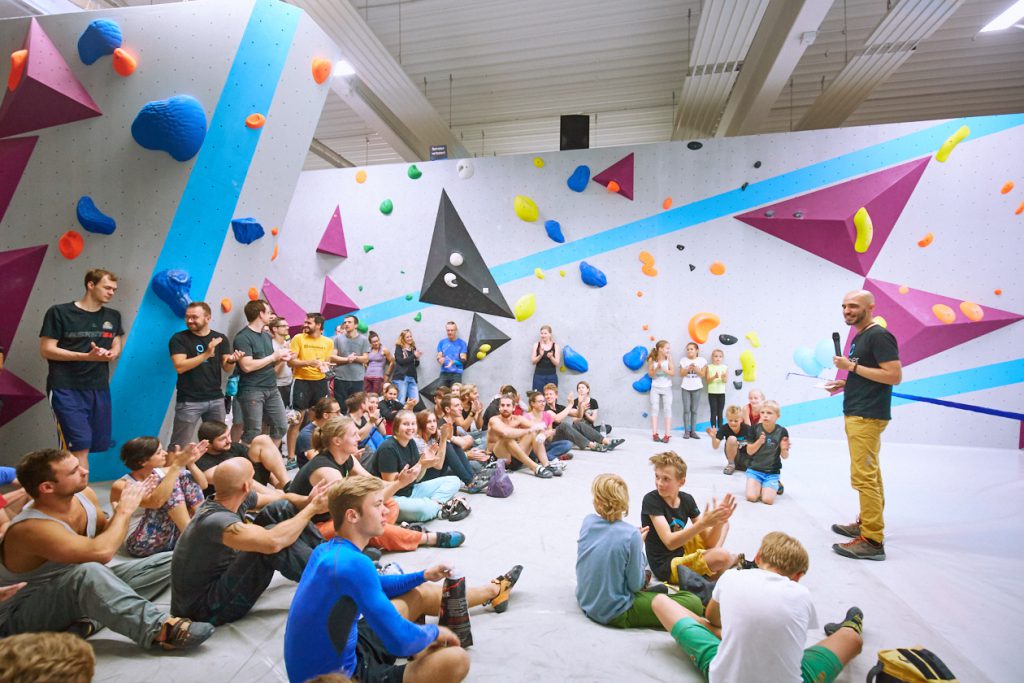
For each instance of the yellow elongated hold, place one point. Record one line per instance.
(749, 366)
(539, 273)
(486, 348)
(865, 230)
(880, 321)
(951, 142)
(525, 208)
(525, 307)
(754, 340)
(480, 355)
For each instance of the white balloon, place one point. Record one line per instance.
(449, 279)
(455, 259)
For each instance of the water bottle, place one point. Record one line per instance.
(455, 607)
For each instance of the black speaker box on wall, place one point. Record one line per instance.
(575, 132)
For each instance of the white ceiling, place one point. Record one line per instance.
(500, 73)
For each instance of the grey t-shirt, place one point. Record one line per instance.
(200, 556)
(256, 345)
(344, 345)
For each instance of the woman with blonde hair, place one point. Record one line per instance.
(546, 358)
(406, 360)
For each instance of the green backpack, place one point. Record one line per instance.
(909, 665)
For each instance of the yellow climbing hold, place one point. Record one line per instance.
(538, 162)
(973, 311)
(880, 321)
(526, 208)
(754, 340)
(951, 142)
(562, 273)
(539, 273)
(360, 176)
(865, 230)
(525, 307)
(486, 348)
(749, 366)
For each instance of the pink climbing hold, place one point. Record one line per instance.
(335, 302)
(17, 396)
(333, 240)
(620, 173)
(14, 156)
(284, 307)
(20, 268)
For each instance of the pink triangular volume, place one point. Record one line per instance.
(919, 332)
(17, 396)
(48, 93)
(20, 268)
(622, 173)
(14, 156)
(335, 302)
(333, 241)
(821, 222)
(284, 307)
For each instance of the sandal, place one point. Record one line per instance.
(656, 438)
(184, 634)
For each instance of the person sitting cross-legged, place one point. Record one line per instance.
(513, 437)
(346, 617)
(60, 546)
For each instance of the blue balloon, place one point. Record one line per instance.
(100, 38)
(573, 360)
(247, 230)
(635, 357)
(805, 360)
(577, 182)
(824, 352)
(176, 125)
(173, 287)
(554, 231)
(592, 276)
(92, 219)
(643, 385)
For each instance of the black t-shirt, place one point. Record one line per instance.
(302, 485)
(256, 345)
(653, 505)
(768, 458)
(200, 556)
(392, 457)
(745, 435)
(201, 383)
(77, 330)
(236, 450)
(593, 406)
(863, 397)
(545, 366)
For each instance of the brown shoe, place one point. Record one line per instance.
(848, 530)
(861, 548)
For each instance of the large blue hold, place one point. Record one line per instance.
(173, 287)
(247, 230)
(577, 182)
(100, 38)
(554, 231)
(643, 385)
(176, 125)
(573, 360)
(92, 219)
(592, 276)
(635, 357)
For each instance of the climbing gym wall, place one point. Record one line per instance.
(162, 143)
(743, 244)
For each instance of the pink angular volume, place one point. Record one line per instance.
(825, 223)
(919, 333)
(14, 156)
(622, 173)
(284, 307)
(333, 241)
(335, 302)
(48, 93)
(20, 268)
(17, 396)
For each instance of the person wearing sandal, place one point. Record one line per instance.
(346, 618)
(59, 547)
(661, 368)
(580, 432)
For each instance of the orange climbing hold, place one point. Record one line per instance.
(1020, 209)
(904, 289)
(926, 240)
(973, 311)
(613, 186)
(225, 305)
(1005, 189)
(944, 313)
(997, 292)
(645, 327)
(717, 268)
(639, 293)
(321, 70)
(667, 204)
(273, 257)
(652, 337)
(254, 294)
(18, 60)
(71, 244)
(124, 64)
(274, 231)
(701, 325)
(649, 271)
(360, 177)
(255, 120)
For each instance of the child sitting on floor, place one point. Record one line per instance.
(611, 570)
(757, 623)
(672, 544)
(769, 447)
(736, 436)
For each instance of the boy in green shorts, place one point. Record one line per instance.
(757, 621)
(610, 564)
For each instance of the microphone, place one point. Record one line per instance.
(835, 342)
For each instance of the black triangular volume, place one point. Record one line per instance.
(482, 332)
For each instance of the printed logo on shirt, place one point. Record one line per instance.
(107, 325)
(200, 348)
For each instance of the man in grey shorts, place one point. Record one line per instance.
(257, 387)
(59, 547)
(353, 352)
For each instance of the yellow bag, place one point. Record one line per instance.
(909, 665)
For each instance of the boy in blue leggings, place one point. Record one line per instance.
(755, 625)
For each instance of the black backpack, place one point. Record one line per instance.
(909, 665)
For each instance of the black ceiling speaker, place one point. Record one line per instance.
(575, 132)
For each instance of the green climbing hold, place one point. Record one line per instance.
(418, 317)
(408, 297)
(386, 207)
(367, 248)
(362, 327)
(414, 172)
(360, 288)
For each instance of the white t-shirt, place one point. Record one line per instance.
(661, 379)
(765, 619)
(691, 380)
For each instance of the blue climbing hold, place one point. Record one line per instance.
(554, 231)
(99, 39)
(635, 357)
(643, 385)
(577, 182)
(247, 230)
(592, 276)
(176, 125)
(173, 287)
(573, 360)
(92, 219)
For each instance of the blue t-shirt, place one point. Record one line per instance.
(340, 585)
(451, 351)
(610, 565)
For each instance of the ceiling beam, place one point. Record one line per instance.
(787, 29)
(329, 155)
(381, 93)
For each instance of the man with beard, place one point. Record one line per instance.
(199, 354)
(311, 353)
(514, 437)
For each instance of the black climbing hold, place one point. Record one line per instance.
(694, 145)
(798, 214)
(680, 247)
(769, 213)
(727, 339)
(692, 267)
(738, 385)
(744, 186)
(757, 164)
(739, 371)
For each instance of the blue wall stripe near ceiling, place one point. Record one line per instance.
(196, 236)
(876, 157)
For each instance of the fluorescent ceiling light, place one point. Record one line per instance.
(343, 68)
(1008, 18)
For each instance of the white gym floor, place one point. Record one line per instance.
(951, 583)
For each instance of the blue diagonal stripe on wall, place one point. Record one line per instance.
(197, 233)
(876, 157)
